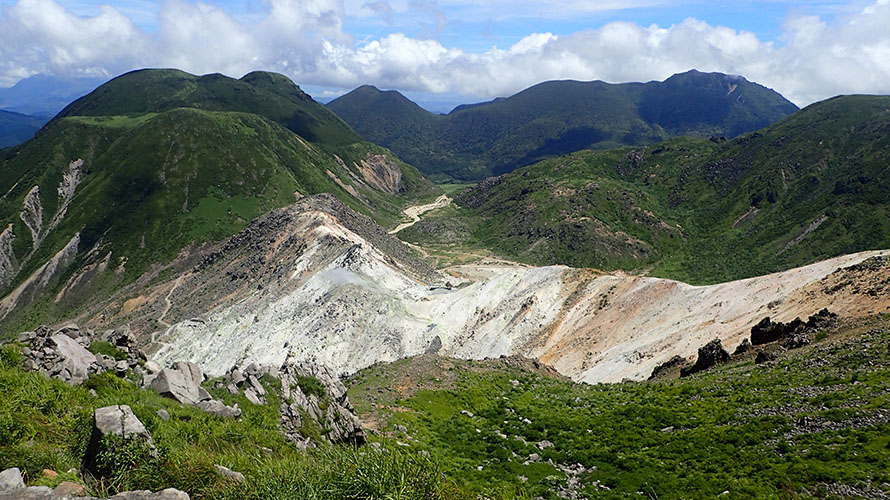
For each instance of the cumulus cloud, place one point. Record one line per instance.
(305, 39)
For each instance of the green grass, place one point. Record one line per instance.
(45, 424)
(106, 348)
(739, 428)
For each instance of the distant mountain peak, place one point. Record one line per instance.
(551, 118)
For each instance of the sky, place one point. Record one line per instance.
(444, 52)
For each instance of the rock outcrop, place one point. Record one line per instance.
(182, 382)
(708, 355)
(62, 354)
(663, 370)
(332, 410)
(308, 391)
(764, 357)
(793, 334)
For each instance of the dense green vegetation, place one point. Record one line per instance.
(270, 95)
(555, 118)
(16, 128)
(810, 187)
(45, 424)
(171, 159)
(793, 428)
(801, 426)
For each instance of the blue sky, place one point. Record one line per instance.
(442, 52)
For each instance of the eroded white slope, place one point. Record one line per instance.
(330, 296)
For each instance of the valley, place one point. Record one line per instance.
(685, 315)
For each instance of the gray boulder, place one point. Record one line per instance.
(69, 489)
(229, 474)
(182, 383)
(168, 494)
(30, 493)
(118, 420)
(11, 479)
(73, 363)
(216, 407)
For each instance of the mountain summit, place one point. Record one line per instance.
(155, 160)
(558, 117)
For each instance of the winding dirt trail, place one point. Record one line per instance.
(416, 211)
(168, 303)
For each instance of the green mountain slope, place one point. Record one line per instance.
(810, 187)
(269, 95)
(16, 128)
(559, 117)
(811, 424)
(124, 178)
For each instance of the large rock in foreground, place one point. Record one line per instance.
(118, 420)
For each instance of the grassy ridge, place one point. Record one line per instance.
(812, 420)
(810, 187)
(555, 118)
(270, 95)
(172, 159)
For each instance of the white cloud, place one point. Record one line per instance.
(305, 39)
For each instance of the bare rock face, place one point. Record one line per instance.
(8, 263)
(117, 420)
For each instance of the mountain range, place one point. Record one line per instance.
(154, 160)
(16, 128)
(45, 95)
(554, 118)
(606, 323)
(809, 187)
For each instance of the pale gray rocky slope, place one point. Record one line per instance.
(317, 282)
